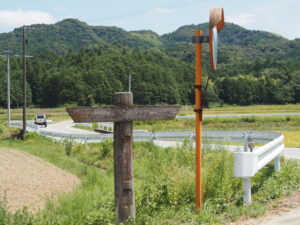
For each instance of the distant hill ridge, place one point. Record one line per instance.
(73, 34)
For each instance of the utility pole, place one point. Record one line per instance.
(24, 82)
(7, 55)
(8, 87)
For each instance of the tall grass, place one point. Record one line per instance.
(164, 185)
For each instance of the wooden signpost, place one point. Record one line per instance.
(122, 114)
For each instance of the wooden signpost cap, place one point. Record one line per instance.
(123, 98)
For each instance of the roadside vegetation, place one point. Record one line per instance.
(287, 125)
(164, 184)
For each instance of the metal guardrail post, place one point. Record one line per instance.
(246, 137)
(85, 140)
(191, 138)
(246, 180)
(151, 136)
(247, 190)
(277, 163)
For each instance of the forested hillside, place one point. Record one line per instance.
(75, 63)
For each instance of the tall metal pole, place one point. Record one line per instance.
(8, 89)
(198, 121)
(129, 83)
(24, 82)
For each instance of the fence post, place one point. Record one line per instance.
(246, 180)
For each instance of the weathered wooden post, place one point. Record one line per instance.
(123, 113)
(124, 190)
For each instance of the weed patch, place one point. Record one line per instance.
(164, 185)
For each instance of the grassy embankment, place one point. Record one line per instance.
(164, 184)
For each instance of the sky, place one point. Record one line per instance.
(162, 16)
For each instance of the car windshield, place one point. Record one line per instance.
(40, 117)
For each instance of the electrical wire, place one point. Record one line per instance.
(169, 5)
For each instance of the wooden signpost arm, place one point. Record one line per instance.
(122, 113)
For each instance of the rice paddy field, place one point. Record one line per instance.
(287, 125)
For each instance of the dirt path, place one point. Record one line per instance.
(287, 212)
(27, 180)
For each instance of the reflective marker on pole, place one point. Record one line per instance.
(216, 24)
(213, 47)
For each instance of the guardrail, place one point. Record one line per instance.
(268, 147)
(248, 163)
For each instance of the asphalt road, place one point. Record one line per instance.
(65, 127)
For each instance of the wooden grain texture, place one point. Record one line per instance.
(123, 169)
(122, 113)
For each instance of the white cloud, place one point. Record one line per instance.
(242, 19)
(158, 10)
(19, 17)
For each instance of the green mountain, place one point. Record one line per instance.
(72, 34)
(69, 34)
(236, 44)
(75, 63)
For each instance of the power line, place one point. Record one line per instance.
(170, 5)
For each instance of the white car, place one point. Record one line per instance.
(40, 120)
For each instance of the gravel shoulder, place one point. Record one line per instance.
(28, 181)
(286, 212)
